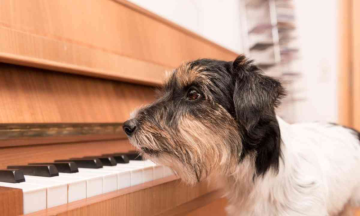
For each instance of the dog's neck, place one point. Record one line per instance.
(250, 189)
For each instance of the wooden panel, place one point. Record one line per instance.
(199, 202)
(149, 201)
(11, 201)
(356, 62)
(344, 64)
(126, 43)
(31, 95)
(216, 208)
(48, 153)
(58, 55)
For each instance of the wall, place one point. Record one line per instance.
(317, 31)
(216, 20)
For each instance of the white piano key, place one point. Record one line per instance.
(137, 172)
(124, 175)
(167, 172)
(124, 179)
(110, 178)
(147, 171)
(151, 170)
(150, 162)
(57, 192)
(34, 196)
(94, 187)
(137, 176)
(158, 171)
(77, 189)
(94, 182)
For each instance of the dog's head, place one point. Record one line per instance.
(211, 116)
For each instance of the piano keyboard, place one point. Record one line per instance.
(47, 185)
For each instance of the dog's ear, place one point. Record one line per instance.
(255, 94)
(255, 98)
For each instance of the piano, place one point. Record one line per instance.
(71, 72)
(62, 182)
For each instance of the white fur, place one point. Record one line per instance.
(319, 174)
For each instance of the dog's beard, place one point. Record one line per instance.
(195, 149)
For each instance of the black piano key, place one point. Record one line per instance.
(120, 158)
(37, 170)
(105, 160)
(12, 176)
(133, 155)
(62, 167)
(85, 163)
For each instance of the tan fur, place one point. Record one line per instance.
(197, 149)
(244, 60)
(185, 76)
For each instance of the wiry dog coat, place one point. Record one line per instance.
(216, 119)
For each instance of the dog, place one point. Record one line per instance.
(216, 120)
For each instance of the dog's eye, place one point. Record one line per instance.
(193, 95)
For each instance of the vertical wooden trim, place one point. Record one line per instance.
(11, 201)
(344, 65)
(356, 63)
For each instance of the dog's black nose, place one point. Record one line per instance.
(130, 127)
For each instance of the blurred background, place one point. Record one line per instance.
(71, 72)
(293, 40)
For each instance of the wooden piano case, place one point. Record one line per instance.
(67, 66)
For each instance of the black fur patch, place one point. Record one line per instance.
(255, 98)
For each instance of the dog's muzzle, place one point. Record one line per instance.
(129, 127)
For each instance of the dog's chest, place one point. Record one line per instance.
(319, 162)
(277, 200)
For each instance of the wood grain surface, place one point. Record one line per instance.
(11, 201)
(215, 208)
(125, 44)
(30, 95)
(199, 206)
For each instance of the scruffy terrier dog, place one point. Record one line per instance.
(216, 119)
